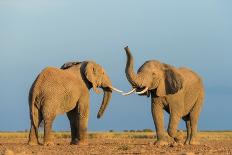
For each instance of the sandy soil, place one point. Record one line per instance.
(113, 146)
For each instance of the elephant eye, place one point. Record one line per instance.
(94, 71)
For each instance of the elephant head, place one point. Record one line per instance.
(152, 75)
(97, 78)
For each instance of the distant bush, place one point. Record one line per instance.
(111, 130)
(144, 130)
(147, 130)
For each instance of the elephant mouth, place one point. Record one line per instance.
(109, 87)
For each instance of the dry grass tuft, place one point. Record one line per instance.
(123, 147)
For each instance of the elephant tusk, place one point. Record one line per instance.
(128, 93)
(115, 89)
(142, 92)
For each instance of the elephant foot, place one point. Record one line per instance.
(48, 143)
(160, 143)
(74, 142)
(187, 142)
(79, 143)
(176, 144)
(178, 139)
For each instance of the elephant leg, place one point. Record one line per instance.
(48, 116)
(194, 116)
(72, 116)
(82, 123)
(173, 125)
(158, 118)
(188, 128)
(48, 131)
(33, 135)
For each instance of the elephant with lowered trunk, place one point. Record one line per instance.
(66, 90)
(179, 91)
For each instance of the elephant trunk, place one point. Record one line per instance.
(129, 70)
(105, 101)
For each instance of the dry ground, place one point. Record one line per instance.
(116, 143)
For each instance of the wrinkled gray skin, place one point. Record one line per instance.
(66, 90)
(178, 91)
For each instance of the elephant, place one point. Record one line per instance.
(66, 90)
(178, 91)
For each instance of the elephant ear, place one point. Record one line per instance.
(171, 82)
(91, 74)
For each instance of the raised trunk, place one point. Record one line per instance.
(105, 101)
(130, 74)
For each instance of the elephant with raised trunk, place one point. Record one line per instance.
(179, 91)
(66, 90)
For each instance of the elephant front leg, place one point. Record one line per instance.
(82, 130)
(82, 123)
(72, 116)
(158, 117)
(173, 125)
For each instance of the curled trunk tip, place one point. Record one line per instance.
(126, 48)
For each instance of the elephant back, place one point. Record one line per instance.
(69, 64)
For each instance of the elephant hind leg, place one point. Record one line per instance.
(48, 131)
(33, 135)
(48, 116)
(188, 128)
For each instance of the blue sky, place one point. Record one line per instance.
(39, 33)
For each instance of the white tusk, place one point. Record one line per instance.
(115, 89)
(142, 92)
(128, 93)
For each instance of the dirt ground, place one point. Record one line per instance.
(215, 144)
